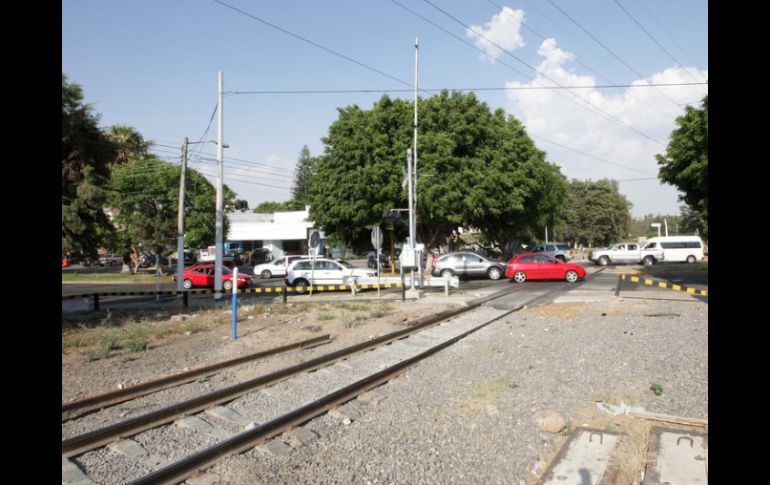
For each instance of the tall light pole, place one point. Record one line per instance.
(219, 212)
(413, 229)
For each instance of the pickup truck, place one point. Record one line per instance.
(626, 253)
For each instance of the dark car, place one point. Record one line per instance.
(542, 267)
(467, 264)
(371, 259)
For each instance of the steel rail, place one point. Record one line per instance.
(182, 469)
(94, 439)
(93, 403)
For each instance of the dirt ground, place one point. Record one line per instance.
(119, 349)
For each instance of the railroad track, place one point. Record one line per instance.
(295, 396)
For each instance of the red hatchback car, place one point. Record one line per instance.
(203, 275)
(523, 267)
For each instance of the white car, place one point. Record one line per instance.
(302, 273)
(275, 268)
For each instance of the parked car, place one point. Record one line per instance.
(557, 250)
(301, 273)
(542, 267)
(203, 275)
(275, 268)
(110, 260)
(371, 259)
(467, 264)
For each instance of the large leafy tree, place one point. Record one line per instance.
(597, 213)
(476, 169)
(145, 197)
(686, 161)
(86, 154)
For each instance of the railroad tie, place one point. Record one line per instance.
(228, 414)
(72, 475)
(197, 424)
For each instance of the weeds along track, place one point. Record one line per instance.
(170, 444)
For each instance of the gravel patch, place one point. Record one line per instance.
(465, 415)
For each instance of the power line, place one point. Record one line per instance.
(436, 90)
(315, 44)
(605, 114)
(695, 63)
(578, 61)
(589, 155)
(654, 39)
(605, 47)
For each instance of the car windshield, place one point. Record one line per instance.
(562, 247)
(345, 263)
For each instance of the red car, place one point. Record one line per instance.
(530, 266)
(203, 275)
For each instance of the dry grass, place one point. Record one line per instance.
(486, 394)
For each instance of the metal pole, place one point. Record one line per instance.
(220, 164)
(414, 150)
(180, 223)
(411, 207)
(234, 331)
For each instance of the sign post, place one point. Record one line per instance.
(377, 243)
(313, 242)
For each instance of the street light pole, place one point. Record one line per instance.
(219, 215)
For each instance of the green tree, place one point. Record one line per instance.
(686, 161)
(300, 190)
(129, 142)
(476, 169)
(86, 154)
(268, 207)
(597, 213)
(145, 198)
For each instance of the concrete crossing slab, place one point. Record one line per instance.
(677, 457)
(583, 459)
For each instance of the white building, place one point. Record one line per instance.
(280, 232)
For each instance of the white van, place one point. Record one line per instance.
(677, 248)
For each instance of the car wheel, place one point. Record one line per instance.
(266, 274)
(571, 276)
(691, 259)
(494, 273)
(649, 261)
(603, 261)
(228, 285)
(446, 273)
(187, 284)
(300, 286)
(520, 277)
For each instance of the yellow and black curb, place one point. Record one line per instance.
(659, 284)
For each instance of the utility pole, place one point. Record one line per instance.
(220, 163)
(411, 205)
(414, 154)
(180, 223)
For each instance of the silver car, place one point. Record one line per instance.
(467, 264)
(559, 251)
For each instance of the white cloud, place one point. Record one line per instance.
(502, 30)
(556, 115)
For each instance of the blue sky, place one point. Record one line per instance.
(153, 66)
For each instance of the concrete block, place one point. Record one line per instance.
(274, 447)
(228, 414)
(197, 424)
(72, 475)
(300, 437)
(129, 448)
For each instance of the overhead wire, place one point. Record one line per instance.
(655, 40)
(578, 61)
(606, 48)
(596, 108)
(315, 44)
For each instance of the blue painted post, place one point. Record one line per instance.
(234, 335)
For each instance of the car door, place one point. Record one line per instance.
(473, 265)
(618, 253)
(529, 266)
(632, 253)
(547, 267)
(278, 267)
